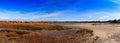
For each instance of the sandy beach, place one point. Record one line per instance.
(106, 33)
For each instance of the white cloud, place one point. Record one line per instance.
(16, 15)
(38, 16)
(101, 15)
(51, 14)
(115, 1)
(105, 17)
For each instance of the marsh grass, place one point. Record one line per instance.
(19, 33)
(32, 26)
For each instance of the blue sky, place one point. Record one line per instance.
(59, 10)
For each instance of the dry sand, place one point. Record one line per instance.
(106, 33)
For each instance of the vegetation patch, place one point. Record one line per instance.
(32, 26)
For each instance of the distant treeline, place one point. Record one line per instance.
(114, 21)
(78, 21)
(109, 21)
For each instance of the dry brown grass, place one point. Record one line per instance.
(78, 37)
(32, 26)
(21, 36)
(19, 33)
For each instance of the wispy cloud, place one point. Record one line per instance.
(115, 1)
(51, 14)
(102, 15)
(17, 15)
(60, 15)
